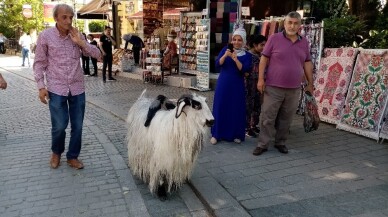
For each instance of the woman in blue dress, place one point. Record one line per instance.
(229, 99)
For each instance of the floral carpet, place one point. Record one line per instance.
(332, 81)
(366, 100)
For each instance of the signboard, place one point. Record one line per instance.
(27, 11)
(204, 12)
(48, 13)
(245, 11)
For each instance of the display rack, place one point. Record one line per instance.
(152, 11)
(203, 54)
(187, 42)
(153, 72)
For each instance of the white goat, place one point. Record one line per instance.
(163, 154)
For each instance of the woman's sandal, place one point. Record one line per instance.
(238, 141)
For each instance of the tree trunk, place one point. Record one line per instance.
(365, 10)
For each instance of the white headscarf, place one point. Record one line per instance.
(127, 37)
(241, 32)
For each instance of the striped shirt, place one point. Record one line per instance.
(57, 59)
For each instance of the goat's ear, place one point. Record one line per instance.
(179, 110)
(170, 105)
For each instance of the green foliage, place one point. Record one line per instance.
(97, 26)
(12, 20)
(343, 32)
(333, 9)
(80, 25)
(376, 40)
(378, 36)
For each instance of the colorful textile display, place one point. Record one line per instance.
(366, 100)
(222, 14)
(332, 81)
(314, 35)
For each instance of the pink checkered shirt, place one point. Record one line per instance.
(58, 59)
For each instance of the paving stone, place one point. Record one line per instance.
(324, 171)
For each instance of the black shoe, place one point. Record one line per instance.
(104, 80)
(250, 133)
(259, 151)
(256, 130)
(282, 149)
(111, 79)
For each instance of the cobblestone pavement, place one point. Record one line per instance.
(327, 172)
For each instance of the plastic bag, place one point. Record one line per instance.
(311, 116)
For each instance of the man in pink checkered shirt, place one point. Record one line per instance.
(60, 81)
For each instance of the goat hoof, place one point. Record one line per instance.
(162, 194)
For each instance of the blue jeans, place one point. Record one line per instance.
(25, 54)
(61, 108)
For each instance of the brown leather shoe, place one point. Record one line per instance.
(282, 149)
(259, 151)
(75, 163)
(54, 161)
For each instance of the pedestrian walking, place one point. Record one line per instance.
(252, 95)
(25, 42)
(229, 97)
(85, 61)
(285, 58)
(60, 80)
(2, 41)
(3, 83)
(106, 42)
(93, 42)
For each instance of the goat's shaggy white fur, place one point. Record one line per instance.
(165, 152)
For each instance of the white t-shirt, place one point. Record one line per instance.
(25, 41)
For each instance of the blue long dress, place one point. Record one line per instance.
(229, 99)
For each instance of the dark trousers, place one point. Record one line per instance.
(2, 49)
(107, 62)
(136, 54)
(277, 111)
(94, 62)
(85, 65)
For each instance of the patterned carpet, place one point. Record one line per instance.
(332, 82)
(366, 100)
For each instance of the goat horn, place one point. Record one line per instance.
(179, 110)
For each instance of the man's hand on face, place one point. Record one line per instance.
(77, 37)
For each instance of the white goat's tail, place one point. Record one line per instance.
(142, 95)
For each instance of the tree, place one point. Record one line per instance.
(12, 20)
(366, 10)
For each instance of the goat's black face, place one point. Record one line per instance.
(209, 123)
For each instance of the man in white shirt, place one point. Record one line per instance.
(25, 41)
(2, 40)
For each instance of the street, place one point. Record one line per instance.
(328, 172)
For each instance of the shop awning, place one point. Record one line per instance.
(173, 13)
(96, 9)
(137, 15)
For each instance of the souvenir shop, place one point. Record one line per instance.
(201, 35)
